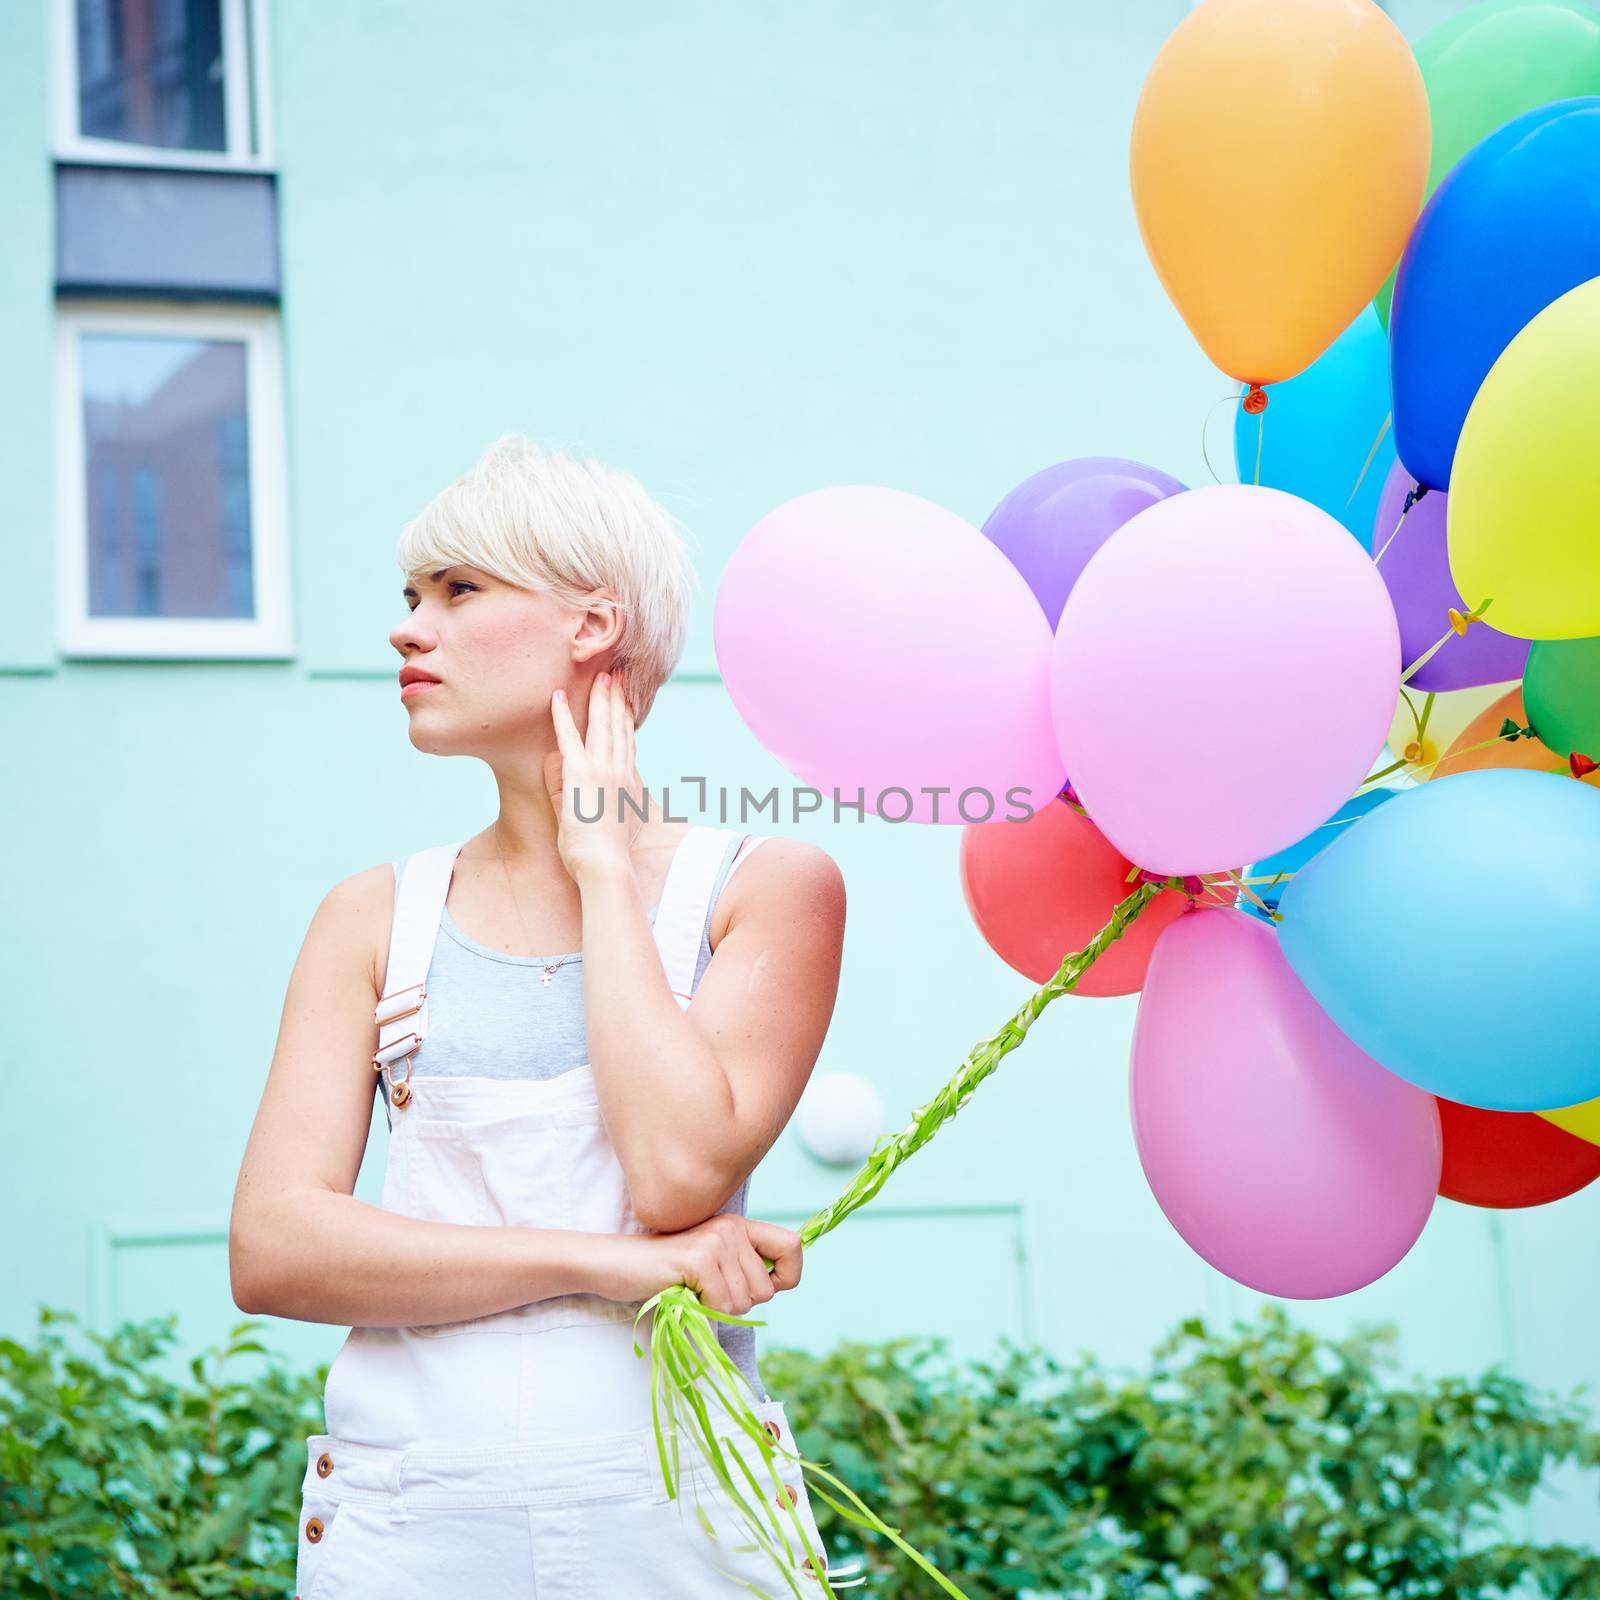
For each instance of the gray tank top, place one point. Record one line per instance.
(493, 1017)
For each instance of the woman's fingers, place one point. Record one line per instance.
(624, 728)
(779, 1245)
(605, 753)
(599, 730)
(713, 1287)
(758, 1280)
(567, 735)
(621, 727)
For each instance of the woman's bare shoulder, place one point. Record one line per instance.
(357, 913)
(795, 874)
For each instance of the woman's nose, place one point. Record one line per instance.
(412, 633)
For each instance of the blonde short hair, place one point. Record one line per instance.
(544, 520)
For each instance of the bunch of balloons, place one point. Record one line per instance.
(1366, 978)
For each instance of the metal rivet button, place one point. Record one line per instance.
(773, 1428)
(314, 1529)
(324, 1465)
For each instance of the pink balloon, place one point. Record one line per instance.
(1282, 1153)
(1225, 670)
(874, 641)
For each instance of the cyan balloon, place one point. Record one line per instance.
(1514, 226)
(1320, 427)
(1450, 934)
(1296, 856)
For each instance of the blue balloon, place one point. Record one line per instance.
(1320, 426)
(1295, 856)
(1514, 225)
(1451, 934)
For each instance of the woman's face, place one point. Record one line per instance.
(497, 653)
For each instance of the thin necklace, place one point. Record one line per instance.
(550, 967)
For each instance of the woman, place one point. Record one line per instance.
(567, 1134)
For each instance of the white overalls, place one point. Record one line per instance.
(513, 1454)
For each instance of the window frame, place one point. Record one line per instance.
(244, 57)
(269, 633)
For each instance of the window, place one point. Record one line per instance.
(161, 82)
(171, 484)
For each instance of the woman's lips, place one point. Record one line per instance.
(416, 686)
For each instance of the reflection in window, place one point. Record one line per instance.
(166, 453)
(150, 72)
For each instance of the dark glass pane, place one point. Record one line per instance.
(167, 461)
(150, 72)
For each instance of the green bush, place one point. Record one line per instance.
(116, 1479)
(1267, 1461)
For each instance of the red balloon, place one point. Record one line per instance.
(1040, 889)
(1510, 1158)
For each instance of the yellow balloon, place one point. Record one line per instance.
(1279, 154)
(1523, 514)
(1448, 715)
(1582, 1120)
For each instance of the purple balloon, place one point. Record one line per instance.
(1416, 568)
(1051, 523)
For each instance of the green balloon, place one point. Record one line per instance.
(1561, 694)
(1492, 62)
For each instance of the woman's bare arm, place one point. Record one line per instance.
(300, 1244)
(693, 1099)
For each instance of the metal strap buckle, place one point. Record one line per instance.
(405, 1045)
(393, 1007)
(399, 1093)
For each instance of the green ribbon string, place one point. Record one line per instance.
(684, 1349)
(1366, 465)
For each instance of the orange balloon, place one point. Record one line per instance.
(1041, 889)
(1524, 752)
(1279, 156)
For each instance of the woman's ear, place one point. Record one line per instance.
(599, 628)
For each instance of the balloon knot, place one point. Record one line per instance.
(1192, 885)
(1069, 794)
(1255, 400)
(1581, 765)
(1414, 752)
(1462, 620)
(1509, 730)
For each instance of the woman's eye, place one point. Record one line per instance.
(454, 583)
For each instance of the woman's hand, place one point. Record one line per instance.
(588, 778)
(723, 1259)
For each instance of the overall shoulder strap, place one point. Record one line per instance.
(748, 844)
(685, 899)
(402, 1013)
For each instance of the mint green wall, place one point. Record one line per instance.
(744, 252)
(27, 241)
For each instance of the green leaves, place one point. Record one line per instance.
(118, 1479)
(1263, 1460)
